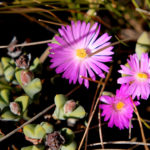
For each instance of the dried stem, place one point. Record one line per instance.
(44, 55)
(28, 44)
(100, 128)
(73, 90)
(90, 79)
(92, 114)
(140, 124)
(51, 22)
(120, 142)
(29, 121)
(93, 103)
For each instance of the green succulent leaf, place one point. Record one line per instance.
(60, 100)
(34, 131)
(36, 64)
(47, 127)
(68, 135)
(5, 94)
(71, 146)
(1, 70)
(8, 68)
(143, 44)
(59, 114)
(31, 88)
(79, 112)
(34, 147)
(9, 116)
(4, 98)
(24, 101)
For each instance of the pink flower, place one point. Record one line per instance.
(137, 74)
(118, 108)
(70, 55)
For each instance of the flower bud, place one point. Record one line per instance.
(15, 108)
(23, 61)
(69, 106)
(26, 77)
(54, 140)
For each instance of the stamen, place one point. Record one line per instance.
(119, 105)
(81, 53)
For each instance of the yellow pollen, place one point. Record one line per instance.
(81, 53)
(119, 105)
(142, 75)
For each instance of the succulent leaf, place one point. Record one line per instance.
(9, 116)
(34, 147)
(34, 131)
(47, 127)
(71, 146)
(24, 100)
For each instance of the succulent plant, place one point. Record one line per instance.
(9, 68)
(67, 108)
(36, 132)
(31, 86)
(143, 44)
(15, 110)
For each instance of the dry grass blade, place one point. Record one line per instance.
(96, 104)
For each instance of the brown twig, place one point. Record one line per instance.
(93, 103)
(140, 124)
(96, 104)
(28, 44)
(44, 55)
(29, 121)
(73, 90)
(120, 142)
(51, 22)
(100, 128)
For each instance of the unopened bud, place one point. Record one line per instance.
(54, 140)
(15, 108)
(26, 77)
(69, 106)
(23, 61)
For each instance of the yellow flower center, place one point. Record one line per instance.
(119, 105)
(142, 76)
(81, 53)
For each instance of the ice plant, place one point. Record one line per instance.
(137, 74)
(72, 54)
(118, 109)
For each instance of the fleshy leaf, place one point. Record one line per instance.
(68, 135)
(59, 114)
(79, 112)
(143, 44)
(35, 65)
(60, 100)
(9, 68)
(34, 131)
(71, 146)
(31, 88)
(47, 127)
(5, 95)
(9, 116)
(24, 100)
(1, 70)
(34, 147)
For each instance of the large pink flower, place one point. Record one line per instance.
(137, 74)
(70, 55)
(118, 108)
